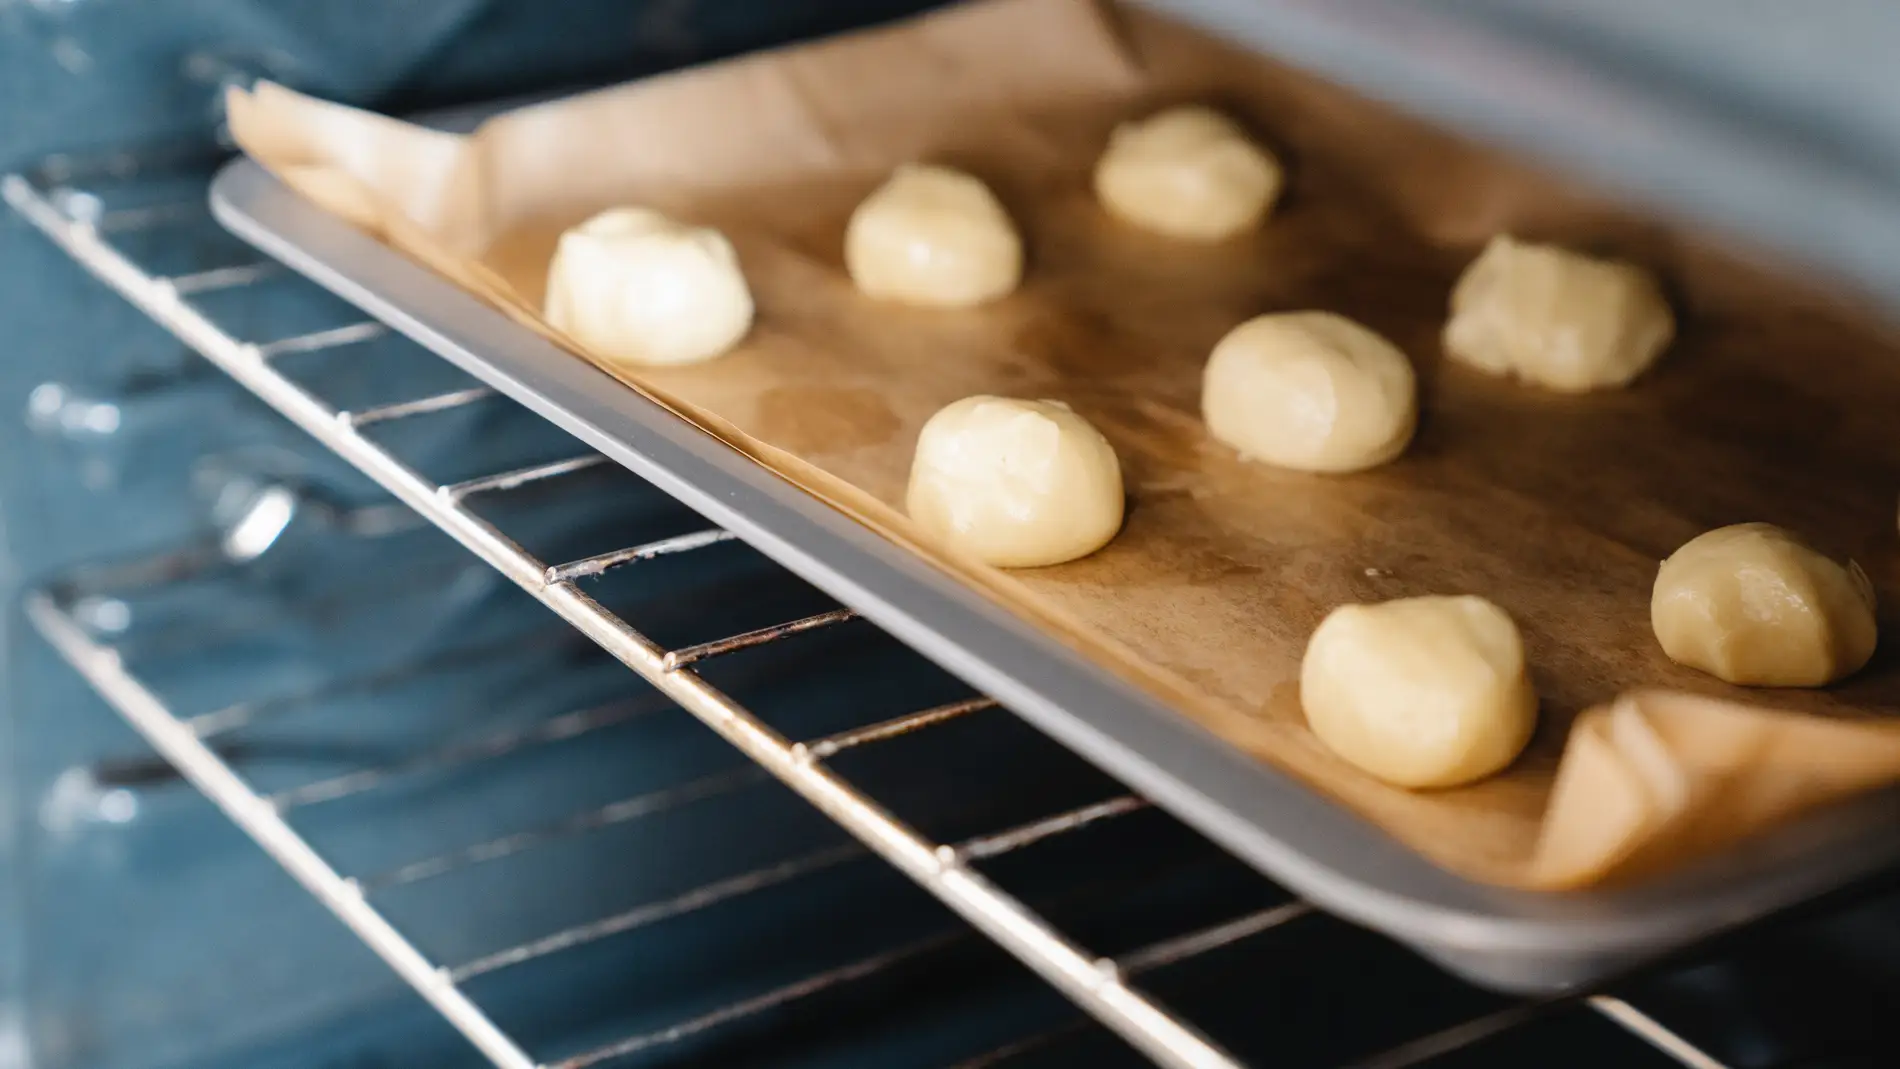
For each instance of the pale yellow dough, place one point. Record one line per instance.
(1420, 692)
(636, 287)
(1557, 318)
(1310, 390)
(933, 236)
(1014, 483)
(1754, 604)
(1188, 172)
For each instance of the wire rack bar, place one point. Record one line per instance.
(1435, 1045)
(601, 563)
(512, 480)
(1632, 1020)
(241, 714)
(1194, 944)
(103, 668)
(319, 340)
(792, 992)
(620, 812)
(221, 278)
(831, 745)
(1651, 1031)
(1026, 1045)
(673, 660)
(1011, 839)
(1463, 1034)
(554, 729)
(698, 898)
(440, 402)
(1144, 959)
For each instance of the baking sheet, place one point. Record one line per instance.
(1558, 508)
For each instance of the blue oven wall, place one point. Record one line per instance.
(169, 939)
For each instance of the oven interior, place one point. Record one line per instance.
(566, 867)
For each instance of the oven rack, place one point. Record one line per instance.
(187, 743)
(67, 614)
(77, 223)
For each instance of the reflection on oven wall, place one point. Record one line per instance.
(118, 884)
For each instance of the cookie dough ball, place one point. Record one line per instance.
(1755, 605)
(1420, 692)
(635, 287)
(1310, 390)
(1018, 484)
(1557, 318)
(933, 236)
(1187, 172)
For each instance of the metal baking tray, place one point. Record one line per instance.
(1512, 940)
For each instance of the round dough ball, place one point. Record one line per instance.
(933, 236)
(1420, 692)
(1755, 605)
(1557, 318)
(633, 286)
(1310, 390)
(1188, 172)
(1018, 484)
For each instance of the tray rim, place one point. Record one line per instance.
(1511, 939)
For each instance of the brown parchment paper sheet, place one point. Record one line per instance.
(1775, 403)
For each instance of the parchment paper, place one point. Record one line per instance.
(1774, 404)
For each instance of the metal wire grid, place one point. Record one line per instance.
(1101, 986)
